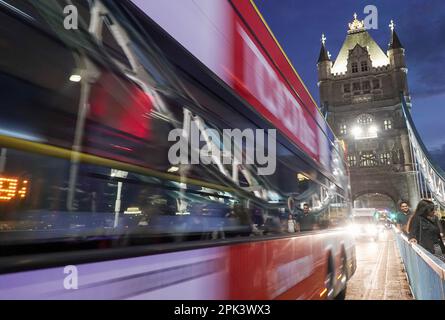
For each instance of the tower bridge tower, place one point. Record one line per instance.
(360, 94)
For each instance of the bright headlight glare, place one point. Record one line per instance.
(356, 131)
(354, 229)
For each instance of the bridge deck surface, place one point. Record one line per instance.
(379, 274)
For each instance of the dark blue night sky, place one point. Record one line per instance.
(298, 26)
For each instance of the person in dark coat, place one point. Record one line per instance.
(307, 220)
(423, 228)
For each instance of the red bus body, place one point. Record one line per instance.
(230, 39)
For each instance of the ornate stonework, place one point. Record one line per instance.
(360, 93)
(356, 25)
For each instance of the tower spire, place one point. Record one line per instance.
(395, 41)
(392, 25)
(324, 54)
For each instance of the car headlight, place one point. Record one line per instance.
(354, 229)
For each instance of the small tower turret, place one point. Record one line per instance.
(396, 51)
(324, 62)
(324, 66)
(396, 55)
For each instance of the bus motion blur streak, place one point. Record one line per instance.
(100, 192)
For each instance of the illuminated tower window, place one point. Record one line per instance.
(343, 129)
(387, 124)
(352, 159)
(368, 159)
(365, 119)
(385, 158)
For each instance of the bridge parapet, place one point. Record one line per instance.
(426, 272)
(431, 178)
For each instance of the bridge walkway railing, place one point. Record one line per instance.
(426, 272)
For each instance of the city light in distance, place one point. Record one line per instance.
(12, 188)
(173, 169)
(75, 78)
(365, 133)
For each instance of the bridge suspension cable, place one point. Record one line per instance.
(430, 178)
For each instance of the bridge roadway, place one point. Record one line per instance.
(379, 274)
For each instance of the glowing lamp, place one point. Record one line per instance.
(357, 131)
(11, 188)
(75, 78)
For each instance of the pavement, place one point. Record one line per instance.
(380, 274)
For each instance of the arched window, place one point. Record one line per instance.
(365, 119)
(365, 129)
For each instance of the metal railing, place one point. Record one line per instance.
(426, 272)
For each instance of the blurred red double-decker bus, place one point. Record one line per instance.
(92, 205)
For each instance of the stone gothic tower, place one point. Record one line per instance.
(360, 95)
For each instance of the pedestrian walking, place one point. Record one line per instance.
(424, 230)
(403, 216)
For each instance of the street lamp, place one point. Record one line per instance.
(357, 132)
(373, 131)
(76, 74)
(365, 132)
(75, 78)
(173, 169)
